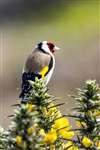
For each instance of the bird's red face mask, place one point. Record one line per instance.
(52, 47)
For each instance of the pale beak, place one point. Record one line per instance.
(56, 48)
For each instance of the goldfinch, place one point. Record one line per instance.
(40, 63)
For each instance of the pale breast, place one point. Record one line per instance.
(36, 62)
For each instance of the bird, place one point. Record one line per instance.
(40, 63)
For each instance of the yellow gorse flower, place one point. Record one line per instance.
(62, 127)
(98, 145)
(30, 130)
(19, 140)
(80, 124)
(58, 113)
(42, 132)
(29, 107)
(52, 111)
(86, 142)
(50, 137)
(66, 134)
(61, 123)
(71, 146)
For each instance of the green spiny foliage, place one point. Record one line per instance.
(1, 138)
(88, 116)
(23, 132)
(37, 124)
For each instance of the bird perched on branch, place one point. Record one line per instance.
(40, 63)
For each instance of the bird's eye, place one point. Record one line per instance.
(51, 46)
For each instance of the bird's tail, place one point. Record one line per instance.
(26, 87)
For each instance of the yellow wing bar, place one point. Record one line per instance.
(44, 71)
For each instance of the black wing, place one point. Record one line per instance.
(26, 87)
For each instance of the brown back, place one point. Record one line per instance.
(36, 61)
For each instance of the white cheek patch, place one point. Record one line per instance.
(45, 47)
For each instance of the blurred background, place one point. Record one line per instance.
(72, 24)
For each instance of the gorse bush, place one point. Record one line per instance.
(39, 125)
(88, 117)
